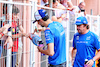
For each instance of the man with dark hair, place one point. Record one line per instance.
(55, 40)
(86, 43)
(15, 10)
(17, 32)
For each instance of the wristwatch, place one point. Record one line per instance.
(93, 59)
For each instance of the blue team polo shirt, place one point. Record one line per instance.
(86, 45)
(56, 35)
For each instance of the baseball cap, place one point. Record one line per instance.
(81, 20)
(40, 14)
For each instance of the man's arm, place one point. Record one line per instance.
(59, 19)
(97, 56)
(9, 40)
(22, 31)
(73, 54)
(91, 62)
(4, 30)
(50, 43)
(16, 35)
(21, 28)
(49, 51)
(1, 35)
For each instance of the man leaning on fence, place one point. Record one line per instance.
(55, 39)
(86, 43)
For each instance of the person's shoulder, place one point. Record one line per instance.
(48, 30)
(53, 25)
(93, 34)
(76, 34)
(57, 23)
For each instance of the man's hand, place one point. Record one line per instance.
(26, 35)
(5, 28)
(29, 35)
(40, 48)
(9, 40)
(63, 15)
(90, 63)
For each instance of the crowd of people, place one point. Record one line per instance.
(13, 39)
(84, 41)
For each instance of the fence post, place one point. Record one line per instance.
(8, 61)
(32, 54)
(67, 39)
(50, 11)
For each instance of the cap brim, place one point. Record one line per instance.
(78, 23)
(34, 21)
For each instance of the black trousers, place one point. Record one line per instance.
(60, 65)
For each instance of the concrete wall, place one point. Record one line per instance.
(91, 5)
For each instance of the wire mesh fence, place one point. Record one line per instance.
(23, 53)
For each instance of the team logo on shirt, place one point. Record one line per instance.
(47, 35)
(77, 38)
(88, 38)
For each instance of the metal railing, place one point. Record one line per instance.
(71, 30)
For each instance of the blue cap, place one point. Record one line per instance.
(40, 14)
(81, 20)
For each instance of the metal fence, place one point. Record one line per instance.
(23, 54)
(27, 54)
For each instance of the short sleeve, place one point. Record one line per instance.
(74, 45)
(97, 42)
(49, 36)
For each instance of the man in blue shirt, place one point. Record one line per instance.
(86, 43)
(55, 39)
